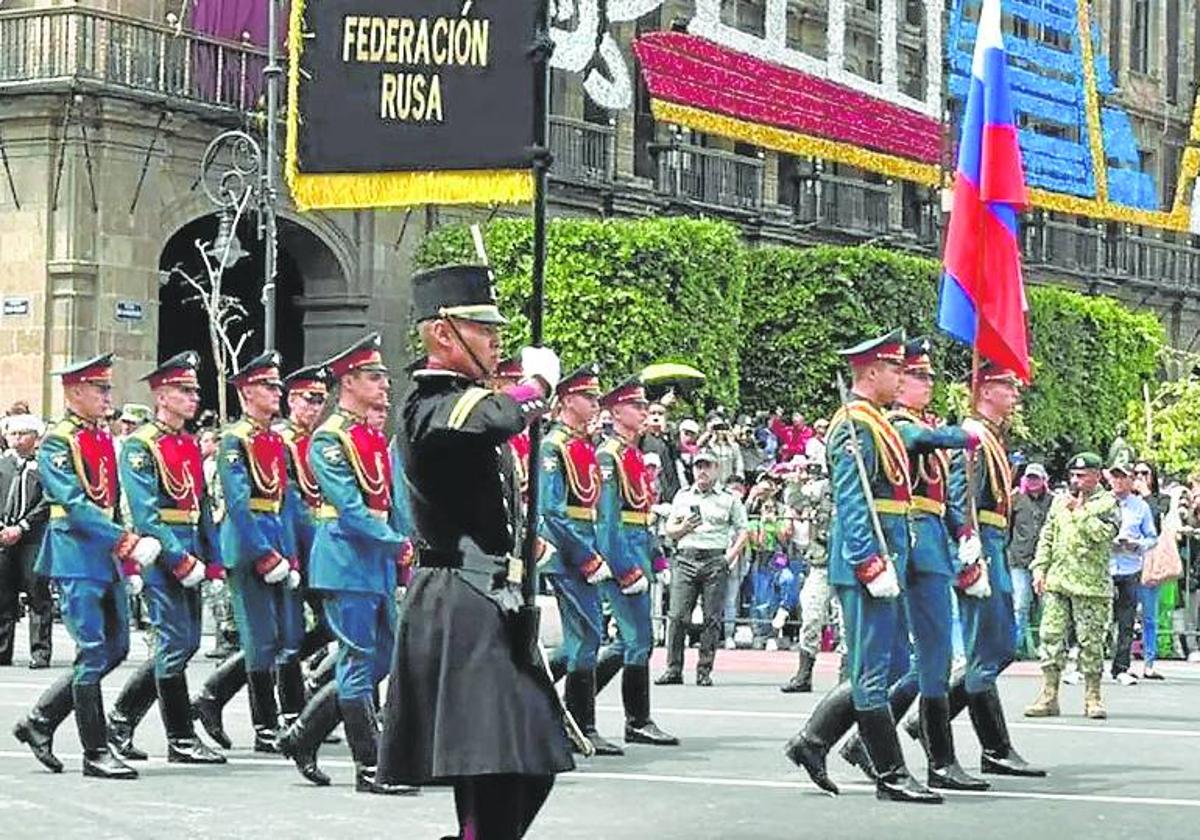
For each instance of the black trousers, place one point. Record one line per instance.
(17, 576)
(704, 575)
(499, 807)
(1126, 589)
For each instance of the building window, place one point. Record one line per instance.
(911, 55)
(1143, 40)
(749, 16)
(863, 48)
(1172, 153)
(807, 27)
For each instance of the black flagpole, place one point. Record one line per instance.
(542, 47)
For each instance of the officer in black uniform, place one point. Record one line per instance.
(463, 708)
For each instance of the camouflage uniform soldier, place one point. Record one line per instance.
(1070, 572)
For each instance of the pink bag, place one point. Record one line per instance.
(1162, 562)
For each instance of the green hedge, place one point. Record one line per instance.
(621, 293)
(765, 323)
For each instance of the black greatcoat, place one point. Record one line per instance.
(459, 704)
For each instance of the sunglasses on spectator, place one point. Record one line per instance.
(1141, 472)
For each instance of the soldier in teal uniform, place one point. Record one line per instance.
(257, 547)
(868, 576)
(87, 555)
(624, 537)
(162, 475)
(985, 587)
(569, 492)
(933, 519)
(353, 566)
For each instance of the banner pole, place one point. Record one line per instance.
(542, 47)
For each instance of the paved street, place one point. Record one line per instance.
(1136, 775)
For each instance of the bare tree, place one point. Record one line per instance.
(227, 316)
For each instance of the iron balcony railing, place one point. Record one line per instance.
(843, 204)
(1172, 265)
(74, 46)
(1077, 248)
(584, 152)
(709, 176)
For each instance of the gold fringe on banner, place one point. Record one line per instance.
(343, 191)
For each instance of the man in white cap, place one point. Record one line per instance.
(23, 516)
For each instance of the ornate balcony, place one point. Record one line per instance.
(709, 177)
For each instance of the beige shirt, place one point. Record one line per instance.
(722, 513)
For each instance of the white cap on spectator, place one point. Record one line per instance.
(651, 459)
(20, 423)
(689, 425)
(1036, 471)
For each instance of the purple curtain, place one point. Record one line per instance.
(229, 76)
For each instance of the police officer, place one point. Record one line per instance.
(623, 536)
(867, 576)
(465, 706)
(933, 518)
(987, 615)
(162, 477)
(78, 469)
(257, 546)
(353, 566)
(569, 492)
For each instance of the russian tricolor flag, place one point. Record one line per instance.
(982, 301)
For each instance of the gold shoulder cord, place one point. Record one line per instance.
(584, 492)
(97, 492)
(370, 486)
(269, 485)
(178, 489)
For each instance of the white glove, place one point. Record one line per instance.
(970, 549)
(885, 584)
(135, 584)
(664, 577)
(780, 618)
(279, 572)
(293, 579)
(145, 551)
(216, 587)
(981, 588)
(600, 575)
(637, 587)
(543, 363)
(193, 578)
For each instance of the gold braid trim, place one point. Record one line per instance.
(892, 453)
(631, 494)
(998, 470)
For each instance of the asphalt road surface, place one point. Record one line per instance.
(1135, 775)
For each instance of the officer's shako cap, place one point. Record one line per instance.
(456, 291)
(261, 370)
(583, 380)
(308, 380)
(885, 348)
(509, 369)
(989, 371)
(179, 370)
(916, 355)
(1085, 461)
(97, 371)
(630, 391)
(363, 354)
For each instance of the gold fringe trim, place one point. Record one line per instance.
(344, 191)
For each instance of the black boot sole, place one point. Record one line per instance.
(897, 795)
(635, 736)
(211, 721)
(806, 758)
(948, 783)
(855, 754)
(796, 688)
(128, 753)
(995, 768)
(94, 772)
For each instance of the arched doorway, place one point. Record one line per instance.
(182, 319)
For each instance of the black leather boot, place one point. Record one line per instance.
(878, 731)
(302, 739)
(944, 770)
(183, 746)
(36, 729)
(999, 757)
(635, 692)
(830, 720)
(900, 698)
(358, 717)
(98, 760)
(136, 698)
(801, 681)
(263, 712)
(607, 665)
(226, 681)
(580, 697)
(291, 690)
(956, 699)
